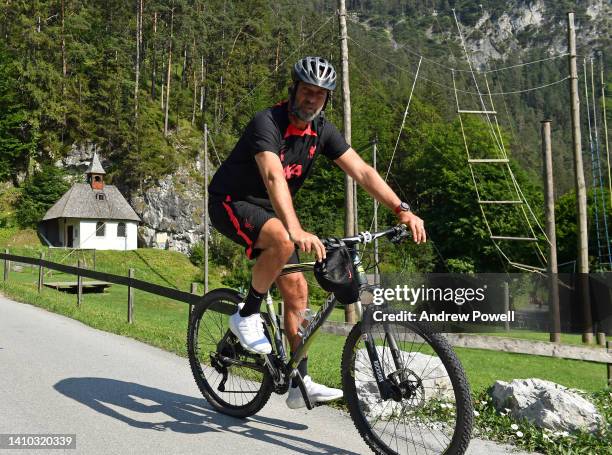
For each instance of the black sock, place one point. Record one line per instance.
(302, 368)
(252, 304)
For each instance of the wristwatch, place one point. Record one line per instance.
(402, 207)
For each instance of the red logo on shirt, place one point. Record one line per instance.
(292, 170)
(311, 151)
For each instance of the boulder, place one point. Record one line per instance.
(431, 371)
(546, 405)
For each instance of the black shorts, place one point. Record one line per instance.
(241, 222)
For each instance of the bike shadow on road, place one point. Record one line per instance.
(130, 403)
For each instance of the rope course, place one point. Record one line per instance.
(604, 255)
(517, 198)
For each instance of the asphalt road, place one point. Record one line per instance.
(121, 396)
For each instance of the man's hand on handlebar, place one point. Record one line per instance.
(308, 242)
(415, 224)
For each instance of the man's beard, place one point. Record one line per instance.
(305, 116)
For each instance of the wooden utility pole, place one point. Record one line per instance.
(169, 74)
(205, 208)
(376, 272)
(553, 287)
(605, 121)
(349, 207)
(349, 189)
(582, 288)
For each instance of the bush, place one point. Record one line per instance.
(196, 255)
(40, 191)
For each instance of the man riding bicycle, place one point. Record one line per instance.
(251, 202)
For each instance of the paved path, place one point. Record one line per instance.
(120, 396)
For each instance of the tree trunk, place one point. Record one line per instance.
(168, 73)
(64, 65)
(202, 87)
(154, 63)
(138, 35)
(184, 73)
(195, 96)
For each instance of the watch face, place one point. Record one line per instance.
(404, 206)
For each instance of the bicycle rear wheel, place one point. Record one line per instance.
(433, 412)
(234, 381)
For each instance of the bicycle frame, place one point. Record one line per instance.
(312, 329)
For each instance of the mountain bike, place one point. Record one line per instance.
(404, 387)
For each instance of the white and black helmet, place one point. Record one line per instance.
(316, 71)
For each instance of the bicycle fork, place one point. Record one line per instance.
(386, 386)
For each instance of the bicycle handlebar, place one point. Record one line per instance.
(395, 234)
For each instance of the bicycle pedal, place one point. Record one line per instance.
(302, 388)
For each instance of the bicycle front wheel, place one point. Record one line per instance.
(233, 381)
(431, 411)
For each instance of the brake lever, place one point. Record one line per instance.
(401, 234)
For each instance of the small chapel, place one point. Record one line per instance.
(91, 215)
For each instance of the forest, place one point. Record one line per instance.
(140, 79)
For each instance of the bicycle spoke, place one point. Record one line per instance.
(242, 383)
(414, 424)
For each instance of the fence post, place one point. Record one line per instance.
(79, 284)
(609, 348)
(40, 271)
(7, 265)
(601, 339)
(506, 291)
(194, 290)
(130, 297)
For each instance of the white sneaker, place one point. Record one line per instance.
(318, 393)
(250, 332)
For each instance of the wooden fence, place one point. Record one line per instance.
(132, 283)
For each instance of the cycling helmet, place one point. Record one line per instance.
(316, 71)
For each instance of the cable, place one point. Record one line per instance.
(494, 70)
(404, 118)
(214, 148)
(469, 92)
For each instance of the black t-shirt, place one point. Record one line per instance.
(270, 130)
